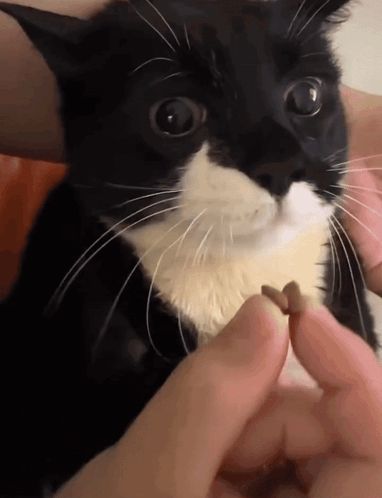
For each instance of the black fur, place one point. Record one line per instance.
(66, 397)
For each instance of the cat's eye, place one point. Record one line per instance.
(177, 117)
(304, 97)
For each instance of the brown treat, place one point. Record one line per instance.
(276, 296)
(296, 301)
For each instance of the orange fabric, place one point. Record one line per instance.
(24, 187)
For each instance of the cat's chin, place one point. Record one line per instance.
(270, 227)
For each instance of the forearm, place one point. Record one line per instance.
(29, 121)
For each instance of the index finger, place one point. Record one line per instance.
(348, 371)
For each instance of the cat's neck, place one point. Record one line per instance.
(208, 287)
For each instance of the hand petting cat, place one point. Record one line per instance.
(363, 192)
(222, 420)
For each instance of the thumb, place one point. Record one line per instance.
(176, 446)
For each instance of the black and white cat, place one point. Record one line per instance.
(206, 142)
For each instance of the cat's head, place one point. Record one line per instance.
(224, 116)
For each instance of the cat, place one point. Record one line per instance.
(206, 143)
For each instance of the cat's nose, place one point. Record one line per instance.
(278, 177)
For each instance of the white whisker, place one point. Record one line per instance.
(195, 220)
(358, 221)
(173, 75)
(358, 170)
(352, 161)
(224, 243)
(333, 261)
(313, 54)
(159, 188)
(146, 63)
(111, 229)
(299, 10)
(200, 247)
(126, 203)
(356, 187)
(360, 269)
(334, 154)
(60, 296)
(146, 21)
(351, 273)
(311, 19)
(165, 21)
(160, 259)
(205, 252)
(339, 267)
(117, 299)
(353, 199)
(187, 37)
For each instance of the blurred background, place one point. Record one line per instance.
(358, 44)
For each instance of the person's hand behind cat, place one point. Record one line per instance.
(363, 192)
(223, 414)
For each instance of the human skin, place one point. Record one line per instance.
(224, 413)
(29, 121)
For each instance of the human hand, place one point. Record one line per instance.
(177, 444)
(363, 192)
(333, 435)
(221, 417)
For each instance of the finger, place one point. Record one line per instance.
(374, 279)
(286, 427)
(184, 433)
(348, 371)
(342, 477)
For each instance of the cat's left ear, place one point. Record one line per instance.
(55, 36)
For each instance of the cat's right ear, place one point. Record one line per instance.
(55, 36)
(324, 12)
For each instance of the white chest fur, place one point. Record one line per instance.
(209, 293)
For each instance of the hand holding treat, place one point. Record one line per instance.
(330, 439)
(222, 427)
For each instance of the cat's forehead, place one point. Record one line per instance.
(244, 31)
(225, 17)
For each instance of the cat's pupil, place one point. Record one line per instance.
(175, 117)
(304, 98)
